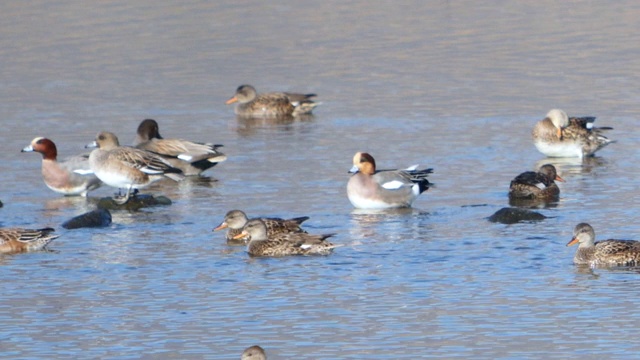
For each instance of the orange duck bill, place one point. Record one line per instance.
(573, 241)
(241, 235)
(558, 178)
(221, 226)
(231, 101)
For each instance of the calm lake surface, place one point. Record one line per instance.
(452, 85)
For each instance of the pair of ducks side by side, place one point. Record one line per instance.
(124, 167)
(273, 237)
(272, 104)
(235, 220)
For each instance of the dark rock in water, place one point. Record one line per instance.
(515, 215)
(95, 218)
(135, 202)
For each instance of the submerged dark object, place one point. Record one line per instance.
(509, 215)
(134, 203)
(95, 218)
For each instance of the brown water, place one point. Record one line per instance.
(455, 86)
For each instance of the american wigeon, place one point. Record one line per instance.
(61, 176)
(126, 167)
(283, 244)
(254, 352)
(15, 240)
(191, 157)
(557, 135)
(273, 104)
(369, 188)
(536, 185)
(235, 220)
(606, 253)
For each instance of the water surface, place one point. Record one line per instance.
(450, 85)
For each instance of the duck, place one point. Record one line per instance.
(536, 185)
(254, 352)
(17, 240)
(558, 135)
(603, 253)
(127, 167)
(60, 176)
(369, 188)
(273, 104)
(191, 157)
(235, 220)
(283, 244)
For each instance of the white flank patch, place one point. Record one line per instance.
(540, 186)
(393, 185)
(305, 246)
(563, 149)
(185, 157)
(83, 171)
(589, 125)
(363, 203)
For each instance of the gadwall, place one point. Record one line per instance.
(369, 188)
(557, 135)
(273, 104)
(254, 352)
(536, 185)
(283, 244)
(191, 157)
(126, 167)
(606, 253)
(60, 176)
(15, 240)
(235, 220)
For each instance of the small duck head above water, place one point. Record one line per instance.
(254, 352)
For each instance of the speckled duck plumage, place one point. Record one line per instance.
(610, 252)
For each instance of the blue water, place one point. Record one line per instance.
(453, 86)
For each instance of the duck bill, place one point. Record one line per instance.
(354, 169)
(559, 133)
(221, 226)
(558, 178)
(91, 145)
(241, 235)
(231, 101)
(573, 241)
(27, 149)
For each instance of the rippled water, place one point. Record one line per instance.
(450, 85)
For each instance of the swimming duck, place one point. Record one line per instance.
(273, 104)
(369, 188)
(536, 185)
(283, 244)
(127, 167)
(557, 135)
(15, 240)
(235, 220)
(254, 352)
(607, 252)
(191, 157)
(60, 176)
